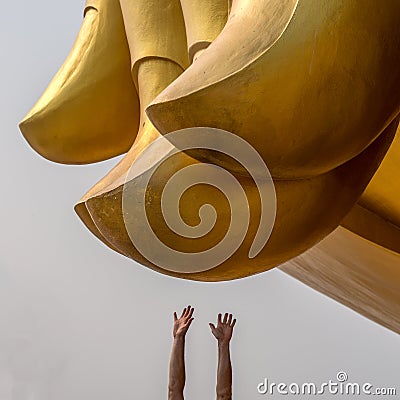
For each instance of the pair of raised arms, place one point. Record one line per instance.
(222, 332)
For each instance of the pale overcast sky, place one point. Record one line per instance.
(80, 322)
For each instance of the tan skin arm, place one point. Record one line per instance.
(177, 364)
(223, 334)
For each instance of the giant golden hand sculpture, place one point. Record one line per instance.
(312, 85)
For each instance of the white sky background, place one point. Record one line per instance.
(79, 322)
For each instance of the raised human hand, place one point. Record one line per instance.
(223, 331)
(182, 324)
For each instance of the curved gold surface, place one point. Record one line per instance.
(90, 110)
(204, 20)
(357, 273)
(155, 28)
(313, 85)
(309, 84)
(301, 219)
(376, 216)
(155, 64)
(165, 56)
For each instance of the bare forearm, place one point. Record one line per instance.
(177, 369)
(224, 375)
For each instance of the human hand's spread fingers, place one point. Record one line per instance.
(190, 312)
(188, 309)
(233, 323)
(220, 318)
(175, 316)
(189, 322)
(225, 318)
(229, 319)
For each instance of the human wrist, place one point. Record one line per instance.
(179, 337)
(223, 343)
